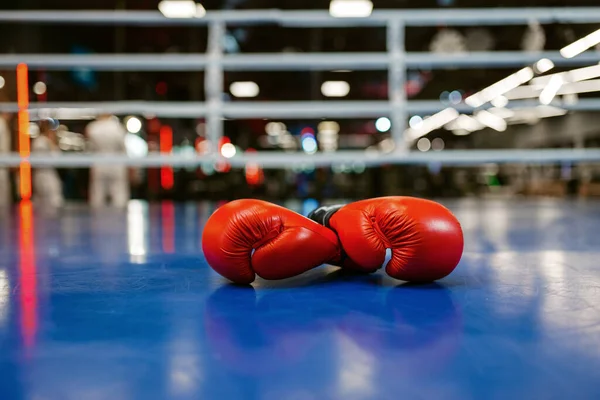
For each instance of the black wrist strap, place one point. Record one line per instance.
(322, 215)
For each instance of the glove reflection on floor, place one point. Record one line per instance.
(410, 330)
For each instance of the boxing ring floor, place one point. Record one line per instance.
(122, 305)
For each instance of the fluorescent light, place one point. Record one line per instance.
(551, 90)
(499, 88)
(383, 124)
(544, 65)
(475, 100)
(583, 74)
(181, 9)
(434, 122)
(467, 123)
(350, 8)
(200, 11)
(575, 75)
(440, 119)
(491, 120)
(502, 112)
(133, 124)
(533, 114)
(549, 111)
(523, 92)
(500, 101)
(335, 88)
(228, 150)
(524, 116)
(581, 45)
(244, 89)
(530, 92)
(541, 81)
(464, 122)
(580, 87)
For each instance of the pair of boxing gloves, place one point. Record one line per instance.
(249, 237)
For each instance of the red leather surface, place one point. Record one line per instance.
(285, 243)
(426, 239)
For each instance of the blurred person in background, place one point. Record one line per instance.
(47, 186)
(106, 135)
(5, 190)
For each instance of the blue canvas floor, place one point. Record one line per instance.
(121, 305)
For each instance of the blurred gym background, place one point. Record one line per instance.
(307, 99)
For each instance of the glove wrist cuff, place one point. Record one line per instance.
(322, 215)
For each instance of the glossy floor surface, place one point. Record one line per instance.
(122, 305)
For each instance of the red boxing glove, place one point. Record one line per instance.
(425, 238)
(248, 237)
